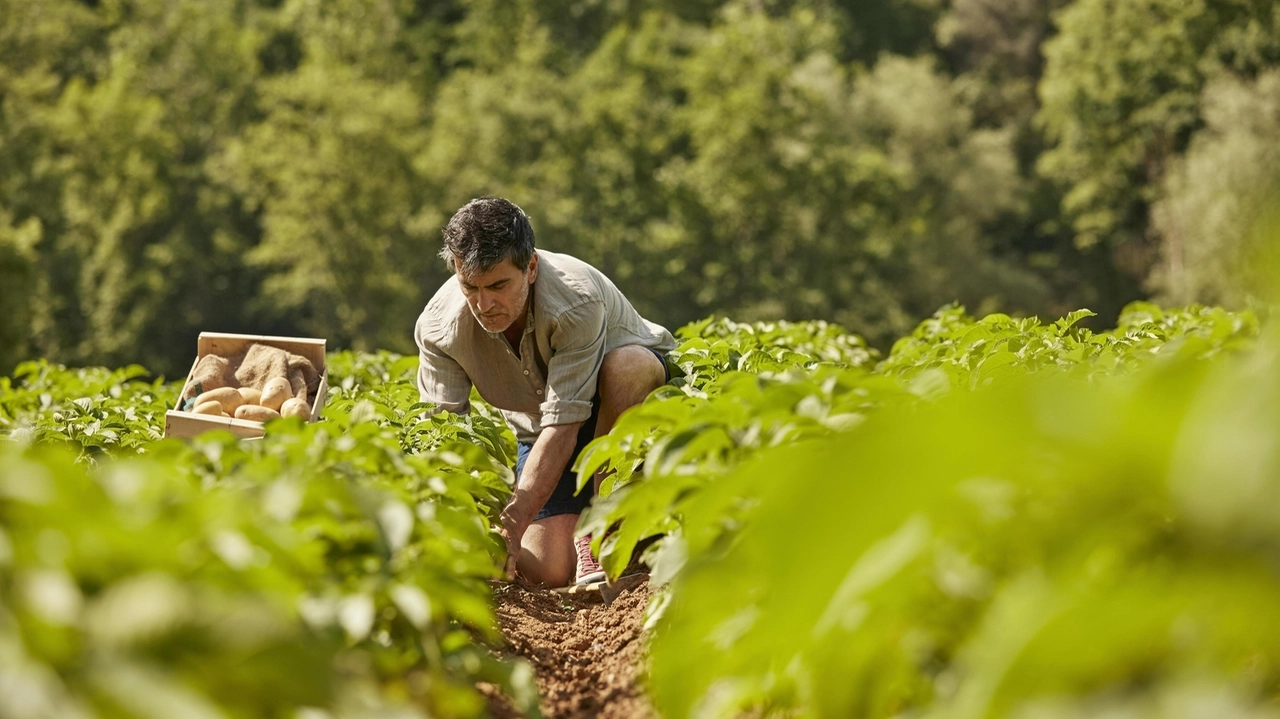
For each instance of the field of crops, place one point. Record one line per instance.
(999, 517)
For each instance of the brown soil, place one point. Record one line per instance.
(589, 659)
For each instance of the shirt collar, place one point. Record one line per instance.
(528, 318)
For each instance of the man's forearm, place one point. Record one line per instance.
(547, 461)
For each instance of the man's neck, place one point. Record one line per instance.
(513, 335)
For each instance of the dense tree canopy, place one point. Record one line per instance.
(284, 166)
(1122, 100)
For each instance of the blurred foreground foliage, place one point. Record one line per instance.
(998, 517)
(336, 569)
(1040, 548)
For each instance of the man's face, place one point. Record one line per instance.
(498, 297)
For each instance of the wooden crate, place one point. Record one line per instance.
(187, 424)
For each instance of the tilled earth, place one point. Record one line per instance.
(589, 659)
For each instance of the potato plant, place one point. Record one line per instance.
(1062, 544)
(93, 409)
(746, 389)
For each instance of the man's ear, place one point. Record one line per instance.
(533, 268)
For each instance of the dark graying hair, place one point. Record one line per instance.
(485, 232)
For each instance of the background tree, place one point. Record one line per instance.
(113, 119)
(284, 166)
(329, 174)
(733, 168)
(1122, 91)
(1214, 197)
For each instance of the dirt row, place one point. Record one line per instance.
(589, 658)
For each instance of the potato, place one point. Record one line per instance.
(212, 407)
(275, 392)
(228, 397)
(254, 413)
(251, 395)
(294, 407)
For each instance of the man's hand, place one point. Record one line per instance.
(550, 455)
(514, 525)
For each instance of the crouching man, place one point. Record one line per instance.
(551, 342)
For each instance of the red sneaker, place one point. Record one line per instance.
(588, 568)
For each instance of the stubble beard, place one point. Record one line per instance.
(487, 323)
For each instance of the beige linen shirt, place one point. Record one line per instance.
(576, 316)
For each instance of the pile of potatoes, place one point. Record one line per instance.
(275, 399)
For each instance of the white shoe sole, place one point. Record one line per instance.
(592, 577)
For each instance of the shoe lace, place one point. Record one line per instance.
(586, 562)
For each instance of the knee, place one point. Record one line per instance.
(547, 551)
(632, 365)
(548, 575)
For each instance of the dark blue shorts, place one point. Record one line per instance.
(563, 499)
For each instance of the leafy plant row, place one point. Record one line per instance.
(1065, 544)
(337, 569)
(748, 388)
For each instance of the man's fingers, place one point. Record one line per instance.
(513, 553)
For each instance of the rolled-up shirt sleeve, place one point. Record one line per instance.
(441, 379)
(577, 344)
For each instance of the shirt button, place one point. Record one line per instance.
(526, 371)
(539, 391)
